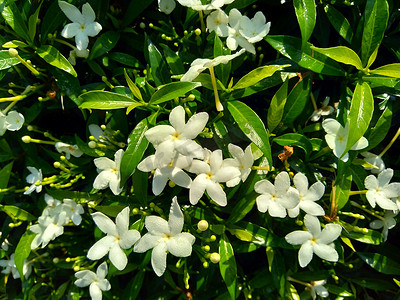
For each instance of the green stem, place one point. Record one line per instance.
(203, 26)
(218, 104)
(351, 193)
(391, 143)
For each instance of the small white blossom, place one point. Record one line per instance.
(317, 288)
(165, 237)
(48, 228)
(256, 29)
(68, 150)
(166, 6)
(82, 26)
(73, 211)
(374, 160)
(243, 160)
(73, 54)
(5, 243)
(218, 21)
(315, 241)
(198, 5)
(337, 136)
(386, 223)
(109, 173)
(14, 120)
(118, 237)
(97, 282)
(10, 267)
(380, 191)
(235, 38)
(277, 198)
(325, 110)
(35, 178)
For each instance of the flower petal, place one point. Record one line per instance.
(146, 242)
(159, 133)
(177, 118)
(264, 187)
(197, 188)
(159, 259)
(118, 257)
(104, 163)
(88, 13)
(263, 202)
(326, 252)
(160, 180)
(282, 183)
(95, 292)
(129, 238)
(122, 220)
(156, 225)
(195, 125)
(105, 224)
(100, 248)
(313, 225)
(81, 40)
(179, 246)
(176, 220)
(298, 237)
(216, 193)
(305, 254)
(71, 12)
(102, 270)
(385, 176)
(330, 233)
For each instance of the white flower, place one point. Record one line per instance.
(3, 124)
(200, 64)
(118, 237)
(35, 178)
(308, 196)
(84, 53)
(218, 21)
(209, 178)
(166, 6)
(173, 171)
(276, 199)
(315, 241)
(325, 110)
(374, 160)
(5, 243)
(380, 191)
(165, 237)
(198, 5)
(243, 160)
(73, 211)
(109, 175)
(68, 150)
(14, 120)
(317, 288)
(10, 267)
(179, 137)
(97, 281)
(256, 29)
(82, 26)
(48, 228)
(235, 38)
(386, 223)
(337, 136)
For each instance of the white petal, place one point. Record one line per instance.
(313, 225)
(176, 220)
(360, 144)
(385, 176)
(312, 208)
(148, 164)
(122, 220)
(301, 183)
(159, 259)
(102, 270)
(146, 242)
(101, 248)
(179, 246)
(160, 180)
(180, 178)
(282, 183)
(104, 163)
(165, 153)
(298, 237)
(159, 133)
(104, 285)
(195, 125)
(384, 202)
(216, 193)
(263, 202)
(315, 192)
(331, 126)
(104, 223)
(95, 292)
(88, 13)
(71, 12)
(326, 252)
(330, 233)
(92, 29)
(156, 225)
(264, 187)
(118, 257)
(276, 210)
(371, 183)
(129, 238)
(197, 188)
(177, 118)
(305, 254)
(81, 40)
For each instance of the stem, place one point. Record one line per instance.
(28, 66)
(391, 143)
(260, 168)
(218, 104)
(65, 43)
(9, 107)
(313, 101)
(203, 26)
(298, 281)
(351, 193)
(367, 210)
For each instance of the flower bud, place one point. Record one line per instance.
(213, 238)
(206, 248)
(171, 184)
(13, 52)
(197, 31)
(205, 265)
(142, 25)
(215, 258)
(92, 144)
(202, 225)
(26, 139)
(56, 164)
(56, 260)
(76, 268)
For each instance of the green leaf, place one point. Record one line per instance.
(374, 283)
(173, 60)
(342, 185)
(372, 237)
(257, 75)
(252, 126)
(381, 128)
(132, 86)
(277, 106)
(341, 54)
(125, 59)
(17, 213)
(339, 22)
(361, 110)
(136, 147)
(104, 43)
(242, 208)
(53, 57)
(391, 70)
(105, 100)
(381, 263)
(52, 20)
(306, 16)
(135, 8)
(33, 19)
(227, 265)
(222, 71)
(6, 61)
(291, 47)
(5, 173)
(68, 84)
(159, 69)
(297, 100)
(376, 16)
(13, 18)
(23, 250)
(295, 139)
(172, 90)
(134, 286)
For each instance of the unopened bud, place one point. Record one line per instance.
(197, 31)
(76, 268)
(13, 52)
(29, 127)
(206, 248)
(56, 164)
(103, 127)
(56, 260)
(205, 265)
(26, 139)
(215, 258)
(202, 225)
(92, 144)
(171, 184)
(142, 25)
(213, 238)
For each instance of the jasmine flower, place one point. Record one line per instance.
(243, 160)
(10, 267)
(109, 174)
(68, 149)
(387, 222)
(375, 160)
(35, 178)
(97, 281)
(166, 6)
(256, 29)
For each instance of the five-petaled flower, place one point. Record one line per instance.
(109, 174)
(35, 178)
(97, 281)
(386, 222)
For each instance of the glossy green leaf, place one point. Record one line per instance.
(13, 18)
(32, 23)
(173, 60)
(242, 208)
(105, 100)
(290, 47)
(372, 237)
(295, 139)
(5, 154)
(104, 43)
(135, 286)
(391, 70)
(159, 69)
(132, 86)
(15, 44)
(252, 126)
(17, 213)
(125, 59)
(381, 263)
(277, 106)
(339, 22)
(227, 265)
(341, 54)
(23, 250)
(338, 290)
(342, 185)
(136, 147)
(172, 90)
(52, 20)
(377, 133)
(257, 75)
(5, 172)
(361, 110)
(376, 17)
(68, 84)
(53, 57)
(374, 283)
(306, 14)
(6, 61)
(372, 58)
(297, 100)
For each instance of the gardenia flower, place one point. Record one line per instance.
(200, 64)
(277, 198)
(82, 26)
(337, 136)
(10, 267)
(256, 29)
(34, 178)
(166, 6)
(317, 288)
(374, 160)
(315, 241)
(386, 223)
(97, 281)
(308, 196)
(325, 110)
(243, 160)
(165, 237)
(380, 190)
(68, 150)
(118, 237)
(177, 137)
(109, 175)
(209, 178)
